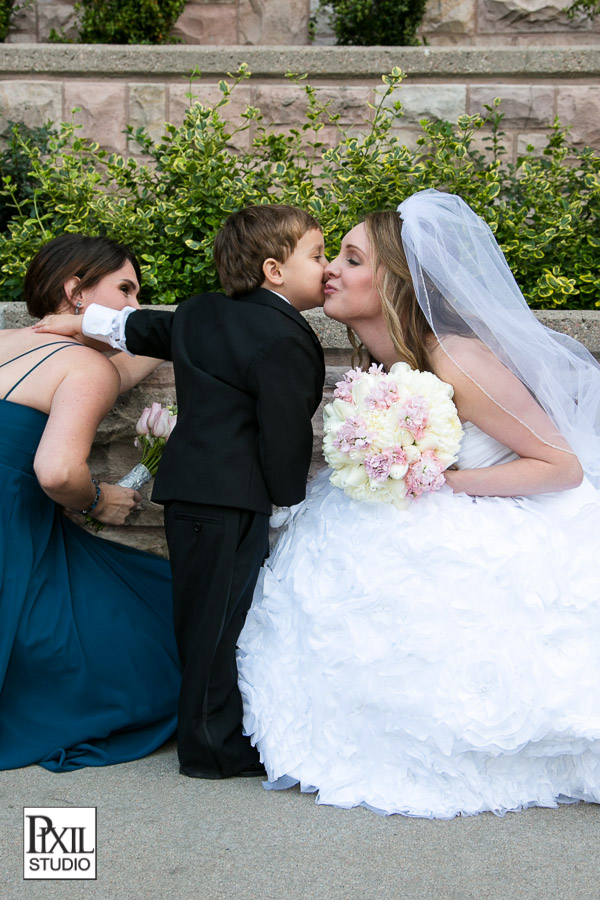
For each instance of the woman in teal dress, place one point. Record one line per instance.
(89, 673)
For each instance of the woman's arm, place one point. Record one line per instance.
(133, 369)
(79, 404)
(541, 468)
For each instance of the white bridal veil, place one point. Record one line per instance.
(464, 286)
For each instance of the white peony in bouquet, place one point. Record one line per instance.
(389, 436)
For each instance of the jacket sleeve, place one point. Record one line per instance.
(286, 377)
(148, 332)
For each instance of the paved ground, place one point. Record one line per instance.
(164, 836)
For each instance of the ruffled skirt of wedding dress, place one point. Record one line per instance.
(438, 661)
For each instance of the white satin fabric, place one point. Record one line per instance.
(433, 662)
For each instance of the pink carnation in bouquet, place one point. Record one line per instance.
(389, 436)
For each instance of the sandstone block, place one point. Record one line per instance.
(537, 16)
(579, 106)
(209, 95)
(535, 139)
(455, 17)
(524, 106)
(348, 102)
(281, 104)
(33, 102)
(323, 29)
(101, 111)
(23, 25)
(207, 23)
(286, 104)
(483, 146)
(148, 108)
(441, 102)
(271, 22)
(61, 17)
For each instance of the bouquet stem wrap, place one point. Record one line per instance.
(136, 478)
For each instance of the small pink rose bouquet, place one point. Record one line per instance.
(389, 436)
(153, 429)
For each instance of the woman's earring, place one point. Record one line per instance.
(78, 306)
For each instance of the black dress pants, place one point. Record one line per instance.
(216, 553)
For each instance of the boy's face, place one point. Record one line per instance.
(302, 272)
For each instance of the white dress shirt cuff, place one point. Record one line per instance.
(106, 325)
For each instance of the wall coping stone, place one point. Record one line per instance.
(584, 325)
(82, 60)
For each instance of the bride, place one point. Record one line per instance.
(442, 659)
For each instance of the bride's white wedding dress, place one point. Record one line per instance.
(435, 661)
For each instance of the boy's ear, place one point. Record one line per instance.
(272, 271)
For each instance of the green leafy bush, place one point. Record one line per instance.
(168, 203)
(369, 22)
(17, 197)
(6, 11)
(591, 7)
(125, 21)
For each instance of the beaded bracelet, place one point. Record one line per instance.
(94, 503)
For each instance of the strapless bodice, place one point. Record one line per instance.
(478, 449)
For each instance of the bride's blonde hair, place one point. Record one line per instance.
(407, 326)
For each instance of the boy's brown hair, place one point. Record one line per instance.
(252, 235)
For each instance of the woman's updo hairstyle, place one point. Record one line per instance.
(66, 256)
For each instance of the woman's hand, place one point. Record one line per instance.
(115, 504)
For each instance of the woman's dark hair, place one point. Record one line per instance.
(66, 256)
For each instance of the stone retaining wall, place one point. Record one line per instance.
(113, 453)
(146, 86)
(253, 22)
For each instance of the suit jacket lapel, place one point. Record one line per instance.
(268, 298)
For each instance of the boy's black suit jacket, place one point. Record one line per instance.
(249, 376)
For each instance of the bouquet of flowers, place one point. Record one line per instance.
(153, 429)
(390, 436)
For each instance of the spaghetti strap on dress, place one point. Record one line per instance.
(89, 672)
(60, 345)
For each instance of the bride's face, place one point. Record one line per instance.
(351, 293)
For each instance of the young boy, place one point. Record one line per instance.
(249, 375)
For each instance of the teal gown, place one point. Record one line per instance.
(89, 672)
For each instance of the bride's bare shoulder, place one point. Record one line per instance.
(456, 353)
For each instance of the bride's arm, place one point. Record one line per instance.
(541, 468)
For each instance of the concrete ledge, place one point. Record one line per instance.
(83, 60)
(113, 453)
(584, 325)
